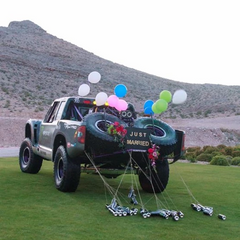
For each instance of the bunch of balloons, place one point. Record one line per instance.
(114, 100)
(165, 97)
(84, 89)
(120, 90)
(101, 98)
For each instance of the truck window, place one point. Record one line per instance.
(76, 111)
(51, 112)
(60, 111)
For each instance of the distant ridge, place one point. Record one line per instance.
(37, 67)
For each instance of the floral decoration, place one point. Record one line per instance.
(118, 132)
(153, 154)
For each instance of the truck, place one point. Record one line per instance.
(80, 137)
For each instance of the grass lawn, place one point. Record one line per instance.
(31, 207)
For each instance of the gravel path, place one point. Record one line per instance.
(9, 152)
(199, 132)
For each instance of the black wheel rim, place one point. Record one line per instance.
(59, 171)
(103, 125)
(156, 131)
(26, 157)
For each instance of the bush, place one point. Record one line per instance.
(205, 157)
(216, 153)
(190, 156)
(229, 159)
(236, 148)
(193, 149)
(235, 161)
(209, 149)
(228, 150)
(219, 160)
(221, 146)
(236, 153)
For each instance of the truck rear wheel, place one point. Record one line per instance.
(66, 173)
(155, 181)
(28, 161)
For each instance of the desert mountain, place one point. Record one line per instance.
(37, 67)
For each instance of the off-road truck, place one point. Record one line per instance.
(75, 136)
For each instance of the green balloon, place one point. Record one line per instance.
(165, 95)
(161, 105)
(154, 109)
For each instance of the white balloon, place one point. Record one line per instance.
(101, 98)
(83, 90)
(179, 97)
(94, 77)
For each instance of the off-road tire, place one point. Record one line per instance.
(29, 162)
(155, 181)
(97, 138)
(66, 173)
(162, 134)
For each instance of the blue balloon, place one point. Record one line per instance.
(148, 110)
(148, 103)
(120, 90)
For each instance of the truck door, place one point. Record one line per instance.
(48, 127)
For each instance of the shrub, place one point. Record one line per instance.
(236, 148)
(235, 161)
(221, 146)
(210, 149)
(216, 153)
(198, 152)
(229, 159)
(219, 160)
(205, 147)
(236, 153)
(228, 150)
(193, 149)
(190, 156)
(7, 104)
(205, 157)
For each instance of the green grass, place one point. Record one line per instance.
(31, 207)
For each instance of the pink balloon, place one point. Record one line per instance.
(112, 100)
(121, 105)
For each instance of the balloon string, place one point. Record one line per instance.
(115, 193)
(188, 189)
(122, 179)
(135, 181)
(157, 200)
(110, 189)
(163, 194)
(153, 125)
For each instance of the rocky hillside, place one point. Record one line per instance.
(37, 67)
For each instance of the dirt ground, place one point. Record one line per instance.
(209, 131)
(199, 132)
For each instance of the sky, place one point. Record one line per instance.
(192, 41)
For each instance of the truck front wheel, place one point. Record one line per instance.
(66, 173)
(28, 161)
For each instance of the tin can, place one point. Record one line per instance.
(180, 214)
(222, 217)
(195, 207)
